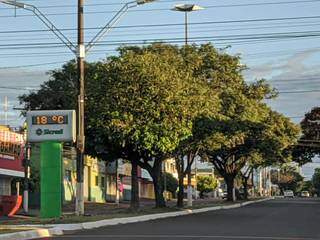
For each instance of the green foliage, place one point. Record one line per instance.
(307, 186)
(247, 131)
(158, 101)
(171, 183)
(308, 146)
(206, 184)
(153, 95)
(316, 180)
(288, 178)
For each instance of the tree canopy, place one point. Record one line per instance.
(308, 146)
(150, 103)
(206, 184)
(288, 178)
(316, 180)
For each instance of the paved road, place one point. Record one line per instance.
(281, 219)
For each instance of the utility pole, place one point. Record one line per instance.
(117, 183)
(165, 180)
(189, 190)
(26, 178)
(80, 120)
(195, 179)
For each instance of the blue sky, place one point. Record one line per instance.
(289, 64)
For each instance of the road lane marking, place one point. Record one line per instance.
(189, 236)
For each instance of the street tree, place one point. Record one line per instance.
(316, 180)
(308, 186)
(152, 95)
(169, 183)
(288, 179)
(60, 92)
(222, 74)
(206, 184)
(308, 146)
(249, 127)
(214, 69)
(139, 104)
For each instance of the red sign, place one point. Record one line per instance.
(11, 150)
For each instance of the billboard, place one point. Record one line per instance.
(11, 152)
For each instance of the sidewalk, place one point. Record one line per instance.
(58, 226)
(98, 211)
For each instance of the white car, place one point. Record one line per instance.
(288, 194)
(305, 194)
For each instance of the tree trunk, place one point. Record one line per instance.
(252, 182)
(230, 186)
(245, 187)
(135, 200)
(201, 194)
(157, 186)
(181, 189)
(189, 204)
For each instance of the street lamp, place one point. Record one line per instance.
(186, 8)
(80, 51)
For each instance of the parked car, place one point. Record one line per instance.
(305, 194)
(288, 194)
(224, 194)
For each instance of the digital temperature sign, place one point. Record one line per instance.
(51, 125)
(49, 119)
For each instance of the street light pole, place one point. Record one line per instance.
(186, 27)
(187, 8)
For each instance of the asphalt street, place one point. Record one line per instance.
(283, 219)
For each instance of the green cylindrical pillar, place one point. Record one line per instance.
(50, 179)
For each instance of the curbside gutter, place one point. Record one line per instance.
(58, 229)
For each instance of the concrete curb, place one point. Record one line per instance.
(32, 234)
(58, 229)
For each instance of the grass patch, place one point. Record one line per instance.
(122, 213)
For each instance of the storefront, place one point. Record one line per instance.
(11, 159)
(11, 167)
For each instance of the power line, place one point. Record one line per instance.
(251, 26)
(33, 65)
(295, 117)
(214, 6)
(290, 80)
(259, 36)
(173, 24)
(158, 9)
(19, 88)
(161, 33)
(299, 91)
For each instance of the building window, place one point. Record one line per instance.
(97, 181)
(102, 182)
(68, 175)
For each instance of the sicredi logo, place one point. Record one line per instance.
(40, 132)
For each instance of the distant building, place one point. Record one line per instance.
(11, 158)
(100, 178)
